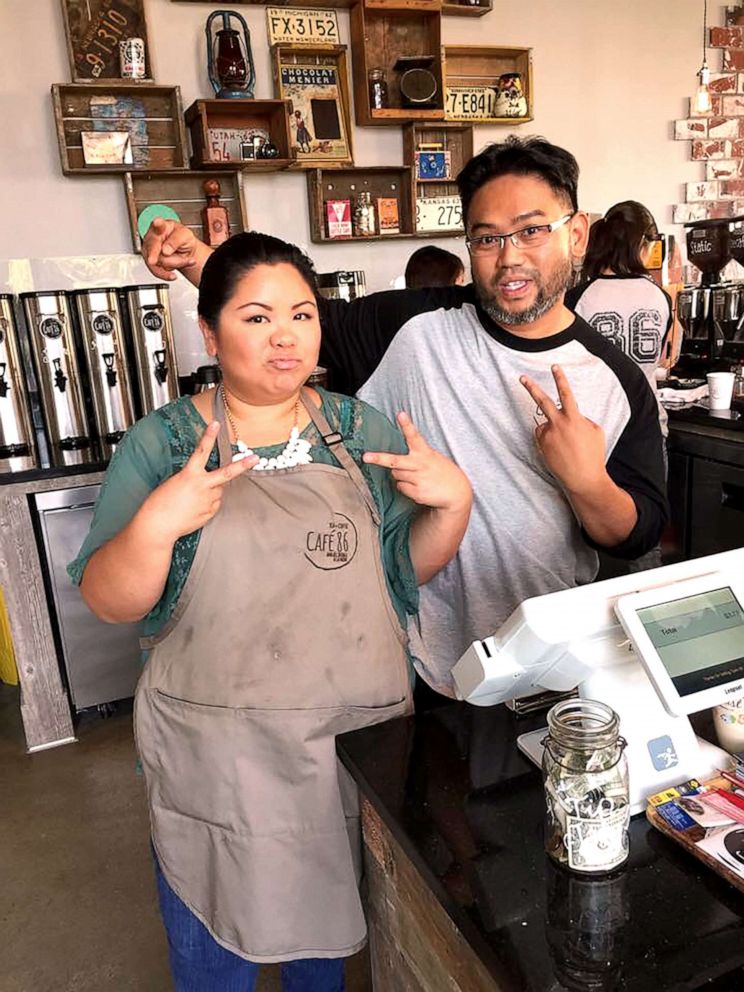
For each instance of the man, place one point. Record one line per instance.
(557, 429)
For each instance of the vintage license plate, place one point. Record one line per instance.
(470, 102)
(439, 213)
(297, 26)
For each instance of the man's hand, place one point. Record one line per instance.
(424, 475)
(169, 247)
(572, 446)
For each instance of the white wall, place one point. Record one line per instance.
(609, 76)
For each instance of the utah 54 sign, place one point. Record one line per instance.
(297, 26)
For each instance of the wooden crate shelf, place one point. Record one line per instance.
(467, 9)
(184, 193)
(379, 37)
(269, 116)
(345, 184)
(334, 130)
(478, 69)
(152, 115)
(457, 139)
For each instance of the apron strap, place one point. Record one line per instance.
(333, 440)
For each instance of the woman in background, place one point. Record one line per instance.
(620, 300)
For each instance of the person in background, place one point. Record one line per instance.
(275, 577)
(556, 429)
(431, 266)
(618, 298)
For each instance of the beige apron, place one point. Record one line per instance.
(284, 635)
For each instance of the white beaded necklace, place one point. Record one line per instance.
(296, 450)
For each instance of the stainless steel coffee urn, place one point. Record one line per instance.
(104, 346)
(17, 447)
(52, 338)
(152, 340)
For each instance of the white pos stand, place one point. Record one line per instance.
(655, 646)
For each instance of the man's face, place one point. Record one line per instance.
(522, 288)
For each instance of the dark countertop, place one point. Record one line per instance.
(467, 809)
(723, 423)
(52, 472)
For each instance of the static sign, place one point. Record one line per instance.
(297, 26)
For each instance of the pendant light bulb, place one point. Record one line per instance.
(701, 102)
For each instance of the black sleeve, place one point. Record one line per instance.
(573, 295)
(356, 335)
(636, 463)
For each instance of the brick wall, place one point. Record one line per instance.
(717, 138)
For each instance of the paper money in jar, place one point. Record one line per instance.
(585, 774)
(132, 58)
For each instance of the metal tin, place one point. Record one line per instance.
(132, 58)
(52, 337)
(151, 330)
(17, 447)
(103, 339)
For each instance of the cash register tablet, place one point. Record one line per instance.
(690, 639)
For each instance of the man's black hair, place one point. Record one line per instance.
(432, 266)
(521, 157)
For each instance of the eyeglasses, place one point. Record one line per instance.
(528, 237)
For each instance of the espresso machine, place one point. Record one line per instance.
(59, 375)
(103, 342)
(732, 313)
(17, 443)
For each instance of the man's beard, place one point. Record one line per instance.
(549, 292)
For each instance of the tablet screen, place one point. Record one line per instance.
(700, 639)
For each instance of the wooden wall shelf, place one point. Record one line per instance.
(184, 193)
(381, 35)
(152, 115)
(346, 184)
(226, 120)
(328, 128)
(467, 9)
(455, 139)
(471, 76)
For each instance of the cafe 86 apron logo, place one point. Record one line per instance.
(334, 545)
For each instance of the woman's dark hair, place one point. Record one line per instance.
(521, 157)
(227, 265)
(432, 266)
(616, 240)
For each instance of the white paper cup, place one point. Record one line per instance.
(720, 390)
(728, 721)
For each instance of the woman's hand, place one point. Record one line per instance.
(191, 497)
(435, 482)
(169, 247)
(424, 475)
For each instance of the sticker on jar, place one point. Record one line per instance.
(598, 844)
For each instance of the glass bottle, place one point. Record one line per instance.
(585, 774)
(364, 216)
(378, 89)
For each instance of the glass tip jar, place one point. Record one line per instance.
(585, 774)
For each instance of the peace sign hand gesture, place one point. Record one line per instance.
(572, 446)
(424, 475)
(191, 497)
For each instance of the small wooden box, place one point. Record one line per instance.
(266, 115)
(478, 69)
(152, 114)
(455, 9)
(346, 184)
(183, 191)
(457, 140)
(379, 37)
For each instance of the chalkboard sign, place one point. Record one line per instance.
(94, 29)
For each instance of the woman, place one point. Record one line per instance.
(274, 589)
(621, 301)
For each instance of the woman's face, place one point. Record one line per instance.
(268, 335)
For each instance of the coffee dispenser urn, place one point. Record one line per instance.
(17, 448)
(151, 334)
(104, 347)
(52, 338)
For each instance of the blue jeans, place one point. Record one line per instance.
(200, 964)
